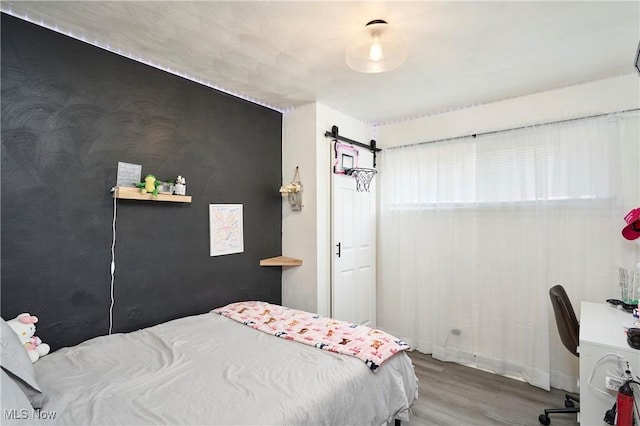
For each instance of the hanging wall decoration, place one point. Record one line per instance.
(293, 191)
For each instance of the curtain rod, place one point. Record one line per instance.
(518, 128)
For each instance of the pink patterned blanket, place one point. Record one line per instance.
(368, 344)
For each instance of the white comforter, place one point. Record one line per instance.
(208, 369)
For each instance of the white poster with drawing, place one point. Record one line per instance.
(225, 227)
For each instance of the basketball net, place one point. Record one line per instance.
(363, 177)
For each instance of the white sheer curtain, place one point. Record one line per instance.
(474, 231)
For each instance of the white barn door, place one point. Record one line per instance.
(353, 228)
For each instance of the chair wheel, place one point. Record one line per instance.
(569, 403)
(544, 419)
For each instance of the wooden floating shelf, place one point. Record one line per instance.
(280, 261)
(130, 193)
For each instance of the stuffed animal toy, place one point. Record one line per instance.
(25, 328)
(149, 186)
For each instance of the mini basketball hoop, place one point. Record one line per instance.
(363, 177)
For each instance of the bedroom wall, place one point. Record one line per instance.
(70, 112)
(307, 234)
(597, 97)
(299, 238)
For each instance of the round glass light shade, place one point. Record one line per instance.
(378, 48)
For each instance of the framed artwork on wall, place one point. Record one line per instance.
(226, 229)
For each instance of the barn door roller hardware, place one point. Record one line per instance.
(333, 134)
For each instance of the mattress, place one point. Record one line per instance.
(208, 369)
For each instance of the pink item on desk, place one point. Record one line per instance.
(632, 230)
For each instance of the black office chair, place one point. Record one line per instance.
(569, 330)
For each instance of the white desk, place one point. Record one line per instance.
(602, 332)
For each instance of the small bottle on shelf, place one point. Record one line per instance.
(180, 188)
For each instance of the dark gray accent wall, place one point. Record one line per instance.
(70, 112)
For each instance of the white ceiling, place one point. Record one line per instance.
(284, 54)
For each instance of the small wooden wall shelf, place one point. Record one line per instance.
(280, 261)
(130, 193)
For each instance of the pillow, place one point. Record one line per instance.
(16, 408)
(15, 361)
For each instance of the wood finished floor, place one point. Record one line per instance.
(453, 394)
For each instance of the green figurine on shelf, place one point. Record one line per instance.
(149, 186)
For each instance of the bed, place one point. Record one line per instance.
(216, 369)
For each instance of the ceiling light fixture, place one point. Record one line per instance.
(379, 48)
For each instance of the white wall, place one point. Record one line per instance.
(603, 96)
(307, 234)
(299, 228)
